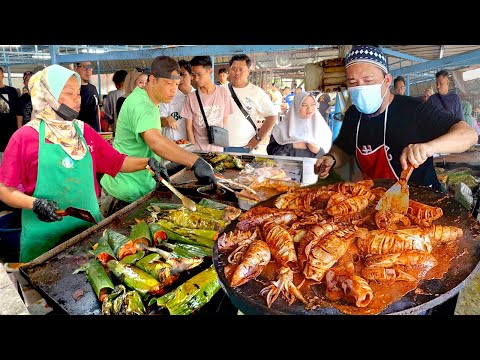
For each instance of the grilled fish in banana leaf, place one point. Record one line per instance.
(99, 279)
(157, 268)
(189, 236)
(103, 251)
(193, 220)
(136, 278)
(121, 302)
(158, 233)
(121, 245)
(132, 259)
(188, 251)
(141, 233)
(191, 295)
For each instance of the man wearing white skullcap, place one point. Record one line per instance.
(384, 131)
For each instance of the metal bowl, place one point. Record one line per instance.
(210, 190)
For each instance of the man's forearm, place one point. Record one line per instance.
(340, 156)
(167, 149)
(458, 139)
(19, 121)
(267, 126)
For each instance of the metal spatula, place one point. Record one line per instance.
(188, 203)
(77, 213)
(396, 198)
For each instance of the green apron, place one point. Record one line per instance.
(69, 183)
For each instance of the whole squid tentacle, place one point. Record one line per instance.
(283, 285)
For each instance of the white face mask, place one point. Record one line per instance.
(367, 98)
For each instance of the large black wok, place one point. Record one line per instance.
(434, 292)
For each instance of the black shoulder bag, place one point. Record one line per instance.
(239, 104)
(216, 134)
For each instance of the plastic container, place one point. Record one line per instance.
(10, 230)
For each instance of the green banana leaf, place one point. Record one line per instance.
(214, 213)
(212, 204)
(121, 245)
(133, 304)
(192, 294)
(163, 206)
(111, 306)
(158, 233)
(98, 278)
(188, 251)
(132, 259)
(104, 252)
(141, 233)
(135, 278)
(188, 236)
(160, 270)
(193, 220)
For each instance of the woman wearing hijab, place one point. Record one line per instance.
(133, 79)
(51, 162)
(303, 133)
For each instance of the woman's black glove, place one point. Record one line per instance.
(45, 210)
(204, 172)
(160, 170)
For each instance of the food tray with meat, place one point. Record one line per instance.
(327, 252)
(53, 272)
(269, 166)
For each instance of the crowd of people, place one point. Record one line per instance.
(50, 133)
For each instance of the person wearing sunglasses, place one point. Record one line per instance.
(89, 110)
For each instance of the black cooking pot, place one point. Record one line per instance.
(434, 292)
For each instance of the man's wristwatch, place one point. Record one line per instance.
(258, 137)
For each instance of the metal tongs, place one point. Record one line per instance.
(222, 180)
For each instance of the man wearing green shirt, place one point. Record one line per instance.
(139, 132)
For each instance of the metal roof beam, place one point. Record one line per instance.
(214, 50)
(401, 55)
(469, 58)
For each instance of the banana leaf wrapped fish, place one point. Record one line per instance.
(191, 295)
(103, 251)
(99, 279)
(121, 302)
(132, 259)
(121, 245)
(141, 233)
(188, 251)
(194, 220)
(136, 279)
(158, 233)
(160, 270)
(200, 237)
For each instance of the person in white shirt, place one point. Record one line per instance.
(173, 125)
(243, 135)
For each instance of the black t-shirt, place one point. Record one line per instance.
(410, 121)
(89, 106)
(9, 109)
(26, 107)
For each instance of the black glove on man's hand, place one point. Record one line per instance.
(160, 170)
(204, 172)
(45, 210)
